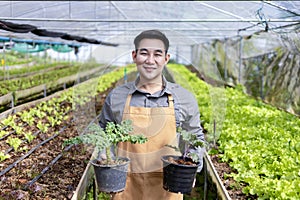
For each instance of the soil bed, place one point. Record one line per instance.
(62, 178)
(233, 188)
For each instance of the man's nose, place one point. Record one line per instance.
(150, 58)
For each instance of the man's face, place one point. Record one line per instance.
(150, 58)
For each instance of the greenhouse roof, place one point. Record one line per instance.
(118, 22)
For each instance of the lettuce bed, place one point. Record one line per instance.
(259, 141)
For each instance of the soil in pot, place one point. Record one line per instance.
(178, 174)
(111, 178)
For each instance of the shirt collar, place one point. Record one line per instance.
(166, 89)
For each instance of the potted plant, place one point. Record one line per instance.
(179, 172)
(111, 172)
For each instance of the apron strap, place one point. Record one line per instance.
(127, 104)
(171, 101)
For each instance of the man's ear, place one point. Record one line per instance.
(133, 55)
(167, 58)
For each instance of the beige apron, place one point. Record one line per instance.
(145, 180)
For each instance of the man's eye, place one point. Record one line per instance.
(158, 55)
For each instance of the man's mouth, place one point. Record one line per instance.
(149, 69)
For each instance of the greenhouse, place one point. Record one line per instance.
(61, 60)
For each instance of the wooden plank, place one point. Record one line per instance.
(22, 94)
(19, 108)
(85, 180)
(5, 99)
(215, 178)
(28, 92)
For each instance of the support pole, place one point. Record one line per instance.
(240, 58)
(125, 75)
(45, 90)
(205, 179)
(225, 60)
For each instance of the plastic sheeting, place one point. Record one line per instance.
(33, 46)
(26, 48)
(232, 41)
(17, 28)
(186, 22)
(267, 64)
(62, 48)
(26, 28)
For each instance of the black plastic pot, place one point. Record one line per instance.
(178, 178)
(111, 178)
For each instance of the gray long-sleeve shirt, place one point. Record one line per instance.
(186, 108)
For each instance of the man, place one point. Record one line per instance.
(156, 107)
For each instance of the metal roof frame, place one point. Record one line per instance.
(192, 21)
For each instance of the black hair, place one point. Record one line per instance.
(151, 34)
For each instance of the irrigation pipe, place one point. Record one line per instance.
(4, 127)
(10, 149)
(30, 183)
(30, 152)
(8, 134)
(35, 134)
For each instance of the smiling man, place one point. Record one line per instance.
(157, 108)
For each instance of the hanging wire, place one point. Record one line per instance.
(289, 38)
(262, 20)
(261, 16)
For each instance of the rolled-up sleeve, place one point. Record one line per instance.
(187, 110)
